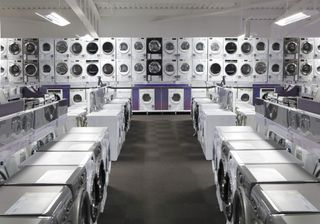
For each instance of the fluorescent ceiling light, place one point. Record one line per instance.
(296, 17)
(54, 18)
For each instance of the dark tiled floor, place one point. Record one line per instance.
(161, 176)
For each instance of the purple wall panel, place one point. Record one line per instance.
(135, 98)
(187, 98)
(165, 103)
(158, 98)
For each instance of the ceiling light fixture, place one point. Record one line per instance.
(54, 18)
(296, 17)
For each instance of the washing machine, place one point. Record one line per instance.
(92, 49)
(260, 72)
(123, 48)
(170, 73)
(80, 159)
(247, 47)
(46, 48)
(3, 72)
(231, 69)
(253, 175)
(92, 71)
(62, 71)
(185, 69)
(276, 48)
(30, 48)
(170, 48)
(176, 99)
(124, 73)
(185, 47)
(139, 70)
(77, 48)
(291, 46)
(119, 107)
(307, 48)
(108, 70)
(245, 95)
(127, 104)
(147, 100)
(316, 65)
(46, 71)
(200, 47)
(215, 70)
(261, 47)
(45, 115)
(138, 47)
(195, 107)
(275, 71)
(290, 69)
(61, 47)
(154, 47)
(15, 69)
(77, 75)
(277, 113)
(77, 96)
(14, 48)
(154, 68)
(31, 71)
(231, 48)
(306, 70)
(215, 47)
(4, 48)
(199, 69)
(246, 71)
(249, 157)
(108, 48)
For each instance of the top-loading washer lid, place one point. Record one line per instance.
(215, 69)
(92, 48)
(108, 69)
(61, 46)
(231, 48)
(185, 46)
(108, 47)
(154, 46)
(169, 47)
(295, 219)
(15, 48)
(76, 48)
(24, 220)
(138, 46)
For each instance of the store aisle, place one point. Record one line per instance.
(161, 176)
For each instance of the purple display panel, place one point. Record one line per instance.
(158, 98)
(165, 103)
(11, 107)
(309, 105)
(135, 98)
(187, 98)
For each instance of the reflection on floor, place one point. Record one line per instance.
(161, 176)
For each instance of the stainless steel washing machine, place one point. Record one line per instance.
(30, 48)
(200, 47)
(46, 48)
(138, 48)
(92, 49)
(108, 48)
(199, 70)
(215, 70)
(14, 48)
(15, 69)
(62, 71)
(170, 70)
(215, 47)
(139, 70)
(306, 71)
(291, 46)
(170, 48)
(307, 48)
(290, 69)
(76, 49)
(184, 47)
(31, 71)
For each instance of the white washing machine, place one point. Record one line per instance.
(62, 71)
(185, 47)
(176, 99)
(200, 47)
(245, 95)
(261, 47)
(4, 48)
(77, 96)
(306, 70)
(317, 47)
(215, 70)
(123, 48)
(46, 71)
(195, 107)
(290, 69)
(170, 70)
(185, 70)
(246, 70)
(275, 70)
(139, 70)
(276, 48)
(231, 69)
(77, 72)
(46, 48)
(108, 70)
(3, 72)
(31, 71)
(199, 69)
(260, 73)
(92, 49)
(14, 48)
(147, 100)
(246, 47)
(124, 72)
(15, 69)
(76, 48)
(108, 47)
(215, 47)
(170, 48)
(92, 70)
(231, 48)
(61, 47)
(316, 66)
(138, 47)
(307, 48)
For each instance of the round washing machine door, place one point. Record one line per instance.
(261, 68)
(2, 48)
(124, 47)
(108, 69)
(275, 68)
(15, 48)
(92, 69)
(169, 69)
(291, 68)
(76, 70)
(76, 48)
(154, 67)
(30, 70)
(138, 68)
(154, 46)
(92, 48)
(176, 98)
(246, 48)
(45, 47)
(61, 46)
(199, 47)
(215, 69)
(30, 48)
(107, 47)
(77, 98)
(81, 209)
(46, 69)
(184, 46)
(291, 46)
(246, 69)
(276, 47)
(261, 46)
(199, 69)
(146, 98)
(95, 198)
(306, 48)
(169, 47)
(215, 48)
(124, 69)
(62, 68)
(231, 48)
(184, 67)
(138, 46)
(15, 70)
(306, 69)
(3, 71)
(245, 97)
(231, 69)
